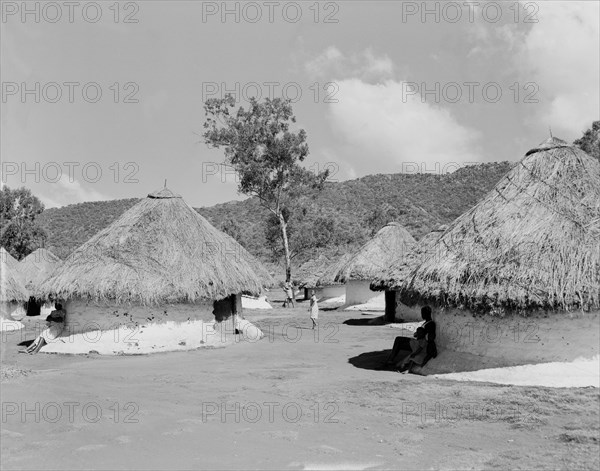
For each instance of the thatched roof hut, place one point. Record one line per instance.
(12, 289)
(36, 267)
(7, 258)
(328, 276)
(159, 251)
(388, 247)
(401, 269)
(532, 242)
(432, 237)
(308, 273)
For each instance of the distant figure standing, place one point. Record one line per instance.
(314, 309)
(56, 324)
(289, 293)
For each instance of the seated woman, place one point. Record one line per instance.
(418, 346)
(429, 326)
(56, 324)
(402, 345)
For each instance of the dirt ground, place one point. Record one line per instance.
(293, 400)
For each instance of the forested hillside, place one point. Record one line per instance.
(343, 216)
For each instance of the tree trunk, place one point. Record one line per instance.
(286, 246)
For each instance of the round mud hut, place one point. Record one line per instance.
(313, 276)
(516, 279)
(160, 271)
(389, 247)
(33, 271)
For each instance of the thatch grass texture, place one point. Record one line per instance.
(7, 258)
(328, 275)
(390, 246)
(11, 287)
(401, 269)
(308, 273)
(533, 242)
(36, 267)
(159, 251)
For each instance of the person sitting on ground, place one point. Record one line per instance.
(418, 345)
(402, 344)
(429, 326)
(56, 324)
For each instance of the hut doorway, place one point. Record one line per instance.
(33, 307)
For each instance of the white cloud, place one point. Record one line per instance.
(66, 192)
(332, 63)
(386, 130)
(381, 127)
(561, 53)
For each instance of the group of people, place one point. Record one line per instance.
(407, 353)
(313, 307)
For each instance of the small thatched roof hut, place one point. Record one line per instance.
(7, 258)
(159, 251)
(532, 242)
(389, 246)
(36, 267)
(308, 273)
(317, 275)
(401, 269)
(328, 276)
(12, 289)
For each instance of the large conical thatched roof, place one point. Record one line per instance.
(7, 258)
(159, 251)
(532, 242)
(402, 268)
(11, 287)
(36, 267)
(389, 246)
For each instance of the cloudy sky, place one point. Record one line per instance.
(100, 102)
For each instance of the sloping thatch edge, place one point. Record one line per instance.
(160, 251)
(392, 245)
(11, 287)
(563, 272)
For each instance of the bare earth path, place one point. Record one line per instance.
(281, 404)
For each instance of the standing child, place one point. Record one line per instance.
(314, 309)
(289, 293)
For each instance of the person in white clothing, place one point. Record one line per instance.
(314, 309)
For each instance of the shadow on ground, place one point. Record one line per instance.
(380, 320)
(370, 360)
(376, 361)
